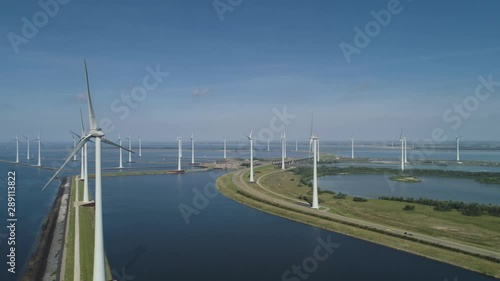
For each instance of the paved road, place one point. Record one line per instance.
(253, 189)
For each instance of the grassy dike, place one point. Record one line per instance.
(408, 244)
(86, 217)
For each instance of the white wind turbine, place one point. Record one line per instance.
(282, 152)
(74, 145)
(401, 138)
(406, 159)
(39, 150)
(284, 142)
(140, 147)
(192, 149)
(314, 142)
(296, 145)
(97, 133)
(352, 147)
(17, 148)
(179, 153)
(457, 140)
(121, 156)
(250, 139)
(267, 145)
(224, 138)
(28, 139)
(129, 149)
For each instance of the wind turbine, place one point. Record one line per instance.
(74, 145)
(98, 134)
(129, 149)
(406, 161)
(401, 138)
(192, 149)
(296, 145)
(28, 149)
(267, 145)
(179, 148)
(121, 157)
(282, 152)
(284, 141)
(317, 147)
(17, 148)
(457, 140)
(39, 151)
(251, 155)
(314, 141)
(140, 147)
(352, 147)
(224, 138)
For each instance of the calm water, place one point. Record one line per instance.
(372, 186)
(146, 235)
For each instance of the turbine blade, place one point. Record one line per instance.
(75, 151)
(92, 122)
(75, 135)
(104, 140)
(250, 136)
(312, 123)
(81, 120)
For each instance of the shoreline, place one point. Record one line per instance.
(461, 257)
(50, 240)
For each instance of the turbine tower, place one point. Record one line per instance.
(314, 142)
(224, 138)
(352, 147)
(28, 148)
(282, 152)
(179, 153)
(401, 138)
(251, 155)
(17, 148)
(192, 149)
(140, 147)
(74, 145)
(267, 145)
(406, 161)
(129, 149)
(121, 157)
(97, 133)
(284, 141)
(39, 151)
(296, 145)
(317, 147)
(457, 140)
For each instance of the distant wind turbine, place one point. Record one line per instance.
(224, 138)
(406, 159)
(28, 148)
(74, 145)
(401, 138)
(313, 144)
(17, 148)
(282, 152)
(457, 140)
(352, 147)
(192, 148)
(140, 147)
(129, 149)
(267, 145)
(284, 142)
(179, 153)
(39, 150)
(121, 156)
(250, 139)
(296, 145)
(96, 133)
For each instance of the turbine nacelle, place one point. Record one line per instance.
(96, 133)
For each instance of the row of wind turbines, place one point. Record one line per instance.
(28, 157)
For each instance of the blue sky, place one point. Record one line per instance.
(226, 77)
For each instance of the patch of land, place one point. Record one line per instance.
(468, 242)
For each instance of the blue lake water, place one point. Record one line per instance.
(373, 186)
